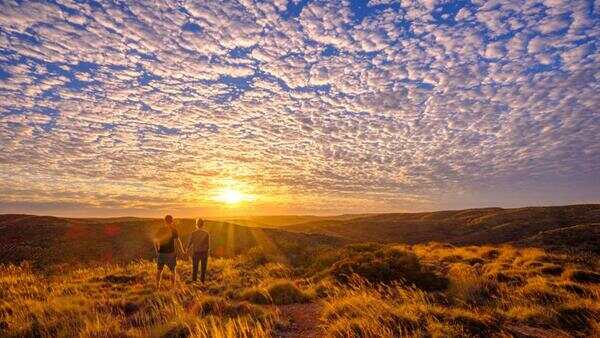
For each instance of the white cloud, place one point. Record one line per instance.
(168, 101)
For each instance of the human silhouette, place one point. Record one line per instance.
(199, 246)
(165, 242)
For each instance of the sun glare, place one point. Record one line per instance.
(231, 196)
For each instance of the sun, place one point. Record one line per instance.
(230, 196)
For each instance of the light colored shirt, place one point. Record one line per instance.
(199, 241)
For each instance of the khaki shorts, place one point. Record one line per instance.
(168, 259)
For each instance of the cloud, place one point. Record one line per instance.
(495, 50)
(398, 104)
(552, 25)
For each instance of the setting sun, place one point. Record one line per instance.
(232, 196)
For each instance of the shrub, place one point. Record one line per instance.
(324, 288)
(573, 288)
(256, 295)
(539, 291)
(507, 277)
(280, 292)
(475, 261)
(285, 292)
(490, 254)
(385, 265)
(257, 256)
(468, 286)
(474, 324)
(176, 330)
(576, 316)
(583, 276)
(208, 305)
(123, 279)
(552, 270)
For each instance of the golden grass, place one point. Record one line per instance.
(120, 301)
(491, 291)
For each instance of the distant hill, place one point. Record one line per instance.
(584, 237)
(276, 221)
(46, 240)
(471, 226)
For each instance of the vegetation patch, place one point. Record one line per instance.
(385, 265)
(364, 290)
(583, 276)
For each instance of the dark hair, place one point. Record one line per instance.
(199, 223)
(169, 219)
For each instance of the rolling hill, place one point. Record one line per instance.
(292, 284)
(46, 240)
(472, 226)
(276, 221)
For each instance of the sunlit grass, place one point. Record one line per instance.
(490, 291)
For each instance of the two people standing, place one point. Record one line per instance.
(167, 242)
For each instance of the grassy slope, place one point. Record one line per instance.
(50, 240)
(473, 226)
(477, 291)
(583, 237)
(491, 291)
(277, 221)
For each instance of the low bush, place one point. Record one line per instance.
(280, 292)
(583, 276)
(577, 316)
(286, 292)
(385, 265)
(552, 270)
(256, 295)
(469, 286)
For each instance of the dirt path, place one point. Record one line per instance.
(304, 320)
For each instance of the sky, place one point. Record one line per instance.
(218, 108)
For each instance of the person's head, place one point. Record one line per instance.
(169, 220)
(199, 223)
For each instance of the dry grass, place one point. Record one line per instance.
(490, 291)
(120, 301)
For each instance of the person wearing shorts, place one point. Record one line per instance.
(165, 242)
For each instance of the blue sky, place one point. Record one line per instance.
(137, 108)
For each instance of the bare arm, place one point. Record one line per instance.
(183, 252)
(189, 245)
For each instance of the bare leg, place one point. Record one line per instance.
(158, 276)
(173, 277)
